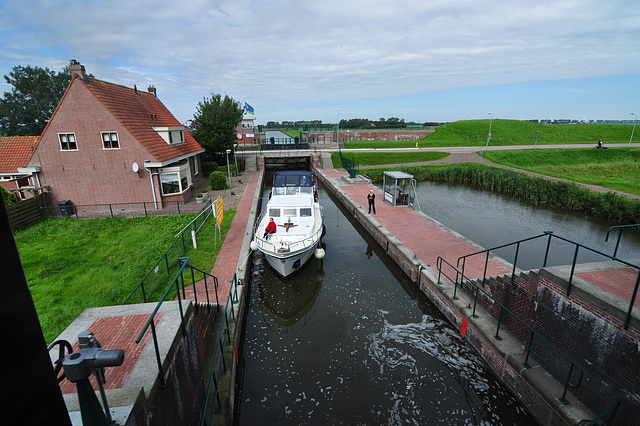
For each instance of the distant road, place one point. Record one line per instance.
(453, 149)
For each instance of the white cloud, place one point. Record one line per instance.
(309, 53)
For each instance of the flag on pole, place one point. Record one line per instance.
(248, 108)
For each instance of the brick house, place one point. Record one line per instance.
(15, 176)
(246, 132)
(107, 143)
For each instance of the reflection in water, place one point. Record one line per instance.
(287, 301)
(353, 341)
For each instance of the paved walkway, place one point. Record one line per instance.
(227, 261)
(425, 237)
(429, 239)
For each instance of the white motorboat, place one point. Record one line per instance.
(299, 223)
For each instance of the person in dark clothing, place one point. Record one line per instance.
(270, 229)
(371, 197)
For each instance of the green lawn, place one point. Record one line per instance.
(379, 158)
(615, 168)
(72, 265)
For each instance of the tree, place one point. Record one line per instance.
(26, 110)
(214, 126)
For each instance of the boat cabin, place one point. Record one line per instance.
(399, 189)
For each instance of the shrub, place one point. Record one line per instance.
(223, 169)
(8, 197)
(218, 180)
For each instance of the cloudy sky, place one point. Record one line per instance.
(421, 60)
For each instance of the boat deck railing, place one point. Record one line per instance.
(293, 246)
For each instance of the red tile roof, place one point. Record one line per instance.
(15, 151)
(139, 112)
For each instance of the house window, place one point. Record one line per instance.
(110, 140)
(67, 141)
(195, 166)
(174, 180)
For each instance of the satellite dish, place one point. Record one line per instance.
(135, 167)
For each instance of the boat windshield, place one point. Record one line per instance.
(293, 179)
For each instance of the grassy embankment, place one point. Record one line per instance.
(509, 132)
(72, 265)
(615, 168)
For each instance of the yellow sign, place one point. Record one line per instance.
(219, 214)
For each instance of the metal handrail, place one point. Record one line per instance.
(609, 412)
(550, 236)
(533, 333)
(218, 366)
(164, 259)
(177, 281)
(622, 228)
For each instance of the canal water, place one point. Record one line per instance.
(350, 340)
(492, 220)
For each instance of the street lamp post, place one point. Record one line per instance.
(229, 168)
(635, 118)
(235, 159)
(338, 129)
(489, 136)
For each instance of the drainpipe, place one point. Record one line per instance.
(153, 189)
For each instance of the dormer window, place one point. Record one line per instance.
(171, 135)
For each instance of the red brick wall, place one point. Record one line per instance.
(594, 339)
(367, 135)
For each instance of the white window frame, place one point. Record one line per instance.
(66, 136)
(178, 171)
(102, 134)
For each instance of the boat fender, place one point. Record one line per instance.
(324, 230)
(319, 253)
(253, 246)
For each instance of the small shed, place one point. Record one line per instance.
(399, 189)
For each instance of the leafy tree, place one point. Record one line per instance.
(26, 110)
(8, 197)
(214, 126)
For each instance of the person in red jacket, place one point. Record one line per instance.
(270, 229)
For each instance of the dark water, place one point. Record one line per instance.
(351, 341)
(491, 220)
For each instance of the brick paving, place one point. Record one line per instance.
(424, 237)
(226, 262)
(617, 281)
(116, 333)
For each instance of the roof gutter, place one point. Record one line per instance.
(149, 163)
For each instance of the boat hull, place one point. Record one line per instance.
(286, 266)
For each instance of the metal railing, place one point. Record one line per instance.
(93, 211)
(607, 415)
(177, 284)
(219, 366)
(458, 282)
(621, 228)
(349, 165)
(169, 259)
(550, 235)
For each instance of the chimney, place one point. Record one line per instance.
(152, 90)
(76, 67)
